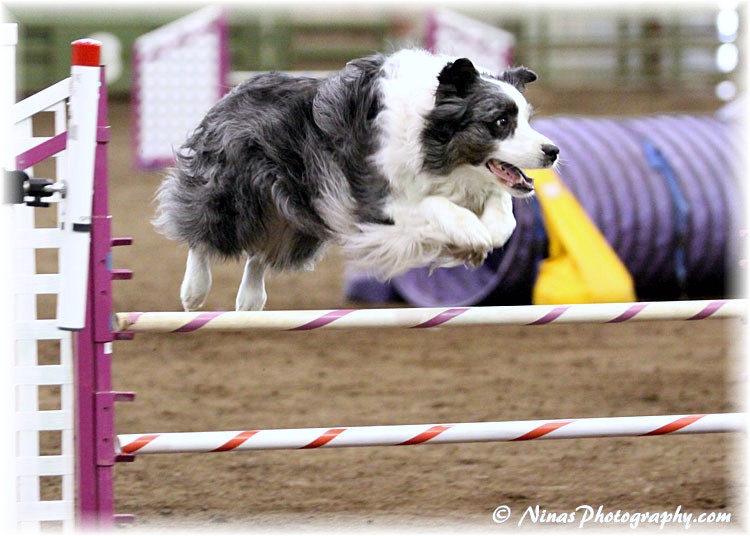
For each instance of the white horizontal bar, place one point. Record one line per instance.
(43, 421)
(38, 284)
(39, 330)
(41, 101)
(44, 375)
(40, 238)
(44, 465)
(45, 511)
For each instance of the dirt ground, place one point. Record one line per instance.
(198, 382)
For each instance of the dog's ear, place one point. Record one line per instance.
(518, 77)
(458, 76)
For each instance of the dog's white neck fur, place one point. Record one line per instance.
(408, 93)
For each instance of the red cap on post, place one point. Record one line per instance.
(86, 52)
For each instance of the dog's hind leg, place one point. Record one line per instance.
(252, 293)
(197, 281)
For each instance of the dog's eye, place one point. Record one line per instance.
(502, 122)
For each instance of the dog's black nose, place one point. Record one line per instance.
(551, 152)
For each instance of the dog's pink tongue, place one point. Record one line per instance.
(512, 177)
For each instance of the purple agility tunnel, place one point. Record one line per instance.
(663, 190)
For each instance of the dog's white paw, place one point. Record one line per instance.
(460, 233)
(499, 220)
(472, 258)
(197, 281)
(193, 294)
(250, 299)
(467, 232)
(501, 231)
(472, 252)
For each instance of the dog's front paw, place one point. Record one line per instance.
(500, 231)
(458, 233)
(468, 234)
(471, 258)
(468, 241)
(499, 220)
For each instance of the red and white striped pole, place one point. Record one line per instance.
(414, 434)
(79, 183)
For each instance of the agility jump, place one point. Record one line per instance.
(99, 446)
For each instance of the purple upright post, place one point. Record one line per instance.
(95, 431)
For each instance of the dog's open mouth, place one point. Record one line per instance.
(512, 177)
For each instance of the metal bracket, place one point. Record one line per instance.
(19, 186)
(105, 447)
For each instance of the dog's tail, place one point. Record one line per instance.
(173, 217)
(185, 209)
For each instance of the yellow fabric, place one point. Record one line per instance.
(581, 267)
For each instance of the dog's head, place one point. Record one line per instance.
(482, 121)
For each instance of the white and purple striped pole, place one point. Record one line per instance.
(415, 434)
(79, 183)
(428, 317)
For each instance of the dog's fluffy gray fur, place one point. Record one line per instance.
(283, 165)
(248, 178)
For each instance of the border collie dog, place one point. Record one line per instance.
(404, 161)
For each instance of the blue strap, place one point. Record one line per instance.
(680, 209)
